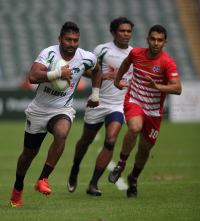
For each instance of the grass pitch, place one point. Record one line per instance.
(168, 188)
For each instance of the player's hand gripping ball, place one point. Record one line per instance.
(59, 84)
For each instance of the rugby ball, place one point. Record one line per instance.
(59, 84)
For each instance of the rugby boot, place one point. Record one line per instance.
(132, 189)
(42, 186)
(115, 174)
(93, 190)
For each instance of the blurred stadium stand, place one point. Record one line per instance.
(28, 26)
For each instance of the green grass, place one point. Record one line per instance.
(169, 186)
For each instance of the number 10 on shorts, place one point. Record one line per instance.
(153, 134)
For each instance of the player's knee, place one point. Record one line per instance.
(109, 145)
(60, 135)
(134, 130)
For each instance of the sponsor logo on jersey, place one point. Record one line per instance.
(54, 92)
(113, 56)
(111, 69)
(156, 68)
(174, 74)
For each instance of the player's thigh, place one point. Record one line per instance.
(96, 115)
(59, 125)
(135, 124)
(38, 117)
(89, 132)
(93, 120)
(151, 128)
(33, 142)
(134, 117)
(113, 123)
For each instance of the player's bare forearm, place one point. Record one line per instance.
(174, 86)
(122, 70)
(96, 76)
(171, 88)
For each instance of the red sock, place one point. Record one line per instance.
(123, 159)
(135, 174)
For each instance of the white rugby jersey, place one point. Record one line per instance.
(81, 62)
(110, 58)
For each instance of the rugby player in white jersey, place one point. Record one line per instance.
(110, 110)
(51, 110)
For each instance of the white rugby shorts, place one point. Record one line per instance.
(37, 116)
(98, 114)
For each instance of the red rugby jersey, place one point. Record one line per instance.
(160, 69)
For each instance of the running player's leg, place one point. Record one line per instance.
(141, 158)
(134, 128)
(32, 143)
(93, 121)
(147, 140)
(114, 122)
(59, 126)
(89, 133)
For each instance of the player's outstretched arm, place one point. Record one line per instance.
(174, 86)
(125, 65)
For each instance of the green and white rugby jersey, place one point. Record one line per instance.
(46, 94)
(110, 58)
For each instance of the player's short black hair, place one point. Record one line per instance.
(114, 25)
(160, 29)
(69, 26)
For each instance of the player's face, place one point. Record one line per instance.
(122, 36)
(69, 42)
(156, 42)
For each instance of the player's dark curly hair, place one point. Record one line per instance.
(117, 22)
(69, 27)
(159, 29)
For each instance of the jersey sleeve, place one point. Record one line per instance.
(90, 62)
(97, 50)
(131, 56)
(43, 58)
(100, 52)
(171, 69)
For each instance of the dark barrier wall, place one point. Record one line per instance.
(13, 103)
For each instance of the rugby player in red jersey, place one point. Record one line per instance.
(155, 74)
